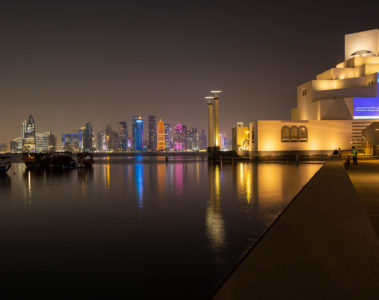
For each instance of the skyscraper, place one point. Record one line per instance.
(178, 138)
(167, 136)
(102, 141)
(137, 133)
(184, 137)
(87, 137)
(29, 135)
(152, 142)
(123, 136)
(192, 140)
(160, 136)
(202, 140)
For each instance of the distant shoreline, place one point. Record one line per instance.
(16, 157)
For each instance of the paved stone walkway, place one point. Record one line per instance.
(322, 247)
(365, 179)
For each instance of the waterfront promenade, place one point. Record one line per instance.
(323, 246)
(365, 179)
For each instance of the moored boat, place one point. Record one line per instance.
(5, 163)
(49, 160)
(84, 160)
(61, 160)
(36, 160)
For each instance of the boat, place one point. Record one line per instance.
(36, 160)
(61, 160)
(84, 160)
(5, 163)
(49, 160)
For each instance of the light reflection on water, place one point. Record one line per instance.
(139, 222)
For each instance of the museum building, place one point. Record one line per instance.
(332, 110)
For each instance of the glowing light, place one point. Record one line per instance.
(139, 182)
(108, 176)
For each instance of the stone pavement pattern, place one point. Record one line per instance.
(322, 247)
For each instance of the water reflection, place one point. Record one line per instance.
(138, 180)
(219, 213)
(85, 177)
(161, 177)
(108, 176)
(28, 190)
(214, 220)
(178, 179)
(5, 182)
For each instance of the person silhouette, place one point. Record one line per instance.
(355, 157)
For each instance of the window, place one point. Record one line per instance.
(304, 92)
(285, 134)
(294, 134)
(303, 134)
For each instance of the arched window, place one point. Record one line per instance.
(294, 134)
(303, 134)
(285, 134)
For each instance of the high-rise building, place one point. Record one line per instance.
(178, 137)
(192, 140)
(123, 136)
(203, 140)
(51, 141)
(137, 133)
(102, 141)
(152, 138)
(160, 136)
(29, 135)
(72, 141)
(184, 136)
(3, 147)
(16, 145)
(87, 137)
(167, 136)
(41, 142)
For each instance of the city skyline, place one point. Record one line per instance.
(157, 137)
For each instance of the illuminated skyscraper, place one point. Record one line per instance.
(29, 135)
(184, 137)
(160, 136)
(123, 136)
(137, 133)
(152, 142)
(102, 141)
(178, 138)
(167, 136)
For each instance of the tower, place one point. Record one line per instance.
(137, 133)
(210, 122)
(167, 136)
(123, 136)
(216, 118)
(152, 138)
(87, 137)
(160, 136)
(29, 135)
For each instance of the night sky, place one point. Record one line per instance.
(70, 62)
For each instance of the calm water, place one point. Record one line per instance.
(137, 225)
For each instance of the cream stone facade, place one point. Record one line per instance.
(312, 135)
(334, 107)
